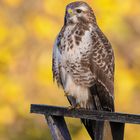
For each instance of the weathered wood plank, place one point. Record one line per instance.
(86, 114)
(99, 127)
(58, 128)
(117, 130)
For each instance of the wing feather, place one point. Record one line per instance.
(102, 61)
(102, 65)
(56, 62)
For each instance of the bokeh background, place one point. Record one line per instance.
(27, 32)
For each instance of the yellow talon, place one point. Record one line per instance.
(66, 94)
(77, 106)
(71, 107)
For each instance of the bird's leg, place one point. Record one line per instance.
(66, 94)
(77, 106)
(71, 107)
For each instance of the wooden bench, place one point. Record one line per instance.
(55, 119)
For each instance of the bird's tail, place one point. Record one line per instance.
(91, 125)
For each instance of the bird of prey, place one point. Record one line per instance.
(83, 62)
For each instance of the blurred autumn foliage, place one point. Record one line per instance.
(27, 31)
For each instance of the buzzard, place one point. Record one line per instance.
(83, 62)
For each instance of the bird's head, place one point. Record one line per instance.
(77, 12)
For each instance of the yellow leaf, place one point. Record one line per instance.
(12, 3)
(7, 115)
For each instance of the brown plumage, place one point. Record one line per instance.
(83, 62)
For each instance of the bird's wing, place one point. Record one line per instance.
(56, 61)
(102, 65)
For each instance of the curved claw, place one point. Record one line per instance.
(77, 106)
(66, 94)
(71, 107)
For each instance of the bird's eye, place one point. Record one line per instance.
(79, 11)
